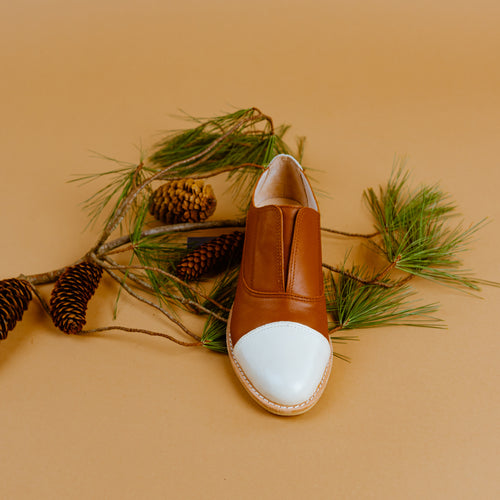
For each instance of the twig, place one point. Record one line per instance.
(354, 277)
(350, 235)
(387, 269)
(336, 329)
(404, 280)
(106, 248)
(152, 304)
(42, 301)
(174, 278)
(266, 117)
(373, 281)
(183, 300)
(136, 172)
(109, 247)
(49, 276)
(229, 168)
(148, 332)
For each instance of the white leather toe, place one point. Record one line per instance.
(285, 361)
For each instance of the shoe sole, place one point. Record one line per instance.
(276, 408)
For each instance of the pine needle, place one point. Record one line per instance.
(252, 146)
(163, 252)
(223, 291)
(416, 234)
(355, 305)
(119, 183)
(414, 231)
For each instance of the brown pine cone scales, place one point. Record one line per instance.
(71, 294)
(211, 256)
(186, 200)
(15, 295)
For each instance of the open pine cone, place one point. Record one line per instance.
(186, 200)
(71, 294)
(15, 295)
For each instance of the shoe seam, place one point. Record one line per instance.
(289, 295)
(279, 253)
(269, 326)
(293, 260)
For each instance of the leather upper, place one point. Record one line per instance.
(281, 273)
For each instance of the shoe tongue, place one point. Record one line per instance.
(289, 213)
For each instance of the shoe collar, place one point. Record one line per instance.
(284, 169)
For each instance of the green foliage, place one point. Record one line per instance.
(415, 231)
(223, 291)
(356, 305)
(251, 142)
(245, 141)
(119, 182)
(158, 253)
(243, 144)
(414, 228)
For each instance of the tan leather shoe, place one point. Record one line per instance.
(277, 334)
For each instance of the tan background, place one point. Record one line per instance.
(416, 414)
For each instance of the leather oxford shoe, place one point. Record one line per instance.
(277, 334)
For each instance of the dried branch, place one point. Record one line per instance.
(107, 248)
(174, 278)
(42, 301)
(182, 300)
(147, 332)
(350, 235)
(152, 304)
(229, 168)
(371, 281)
(49, 276)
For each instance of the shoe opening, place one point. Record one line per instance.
(284, 183)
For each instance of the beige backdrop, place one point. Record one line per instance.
(416, 414)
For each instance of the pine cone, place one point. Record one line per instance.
(15, 296)
(211, 256)
(186, 200)
(71, 294)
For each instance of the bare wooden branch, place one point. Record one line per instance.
(350, 235)
(229, 168)
(177, 298)
(147, 332)
(373, 281)
(108, 247)
(152, 304)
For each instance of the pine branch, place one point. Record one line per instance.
(122, 244)
(356, 305)
(176, 299)
(152, 304)
(120, 182)
(188, 144)
(242, 156)
(415, 232)
(223, 291)
(195, 160)
(110, 246)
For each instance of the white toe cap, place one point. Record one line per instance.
(284, 361)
